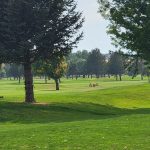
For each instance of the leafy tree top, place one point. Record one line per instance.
(129, 24)
(40, 28)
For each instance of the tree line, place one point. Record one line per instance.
(94, 63)
(83, 64)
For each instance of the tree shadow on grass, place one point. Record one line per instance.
(61, 112)
(49, 90)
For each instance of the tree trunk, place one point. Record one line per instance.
(76, 77)
(91, 76)
(45, 79)
(29, 93)
(142, 78)
(97, 76)
(59, 80)
(19, 79)
(148, 78)
(116, 77)
(57, 84)
(120, 77)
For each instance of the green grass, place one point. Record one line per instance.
(113, 116)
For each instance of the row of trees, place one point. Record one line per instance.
(37, 30)
(81, 63)
(95, 63)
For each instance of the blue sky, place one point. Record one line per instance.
(94, 28)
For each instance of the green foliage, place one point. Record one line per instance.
(115, 64)
(77, 63)
(2, 71)
(49, 28)
(129, 24)
(54, 68)
(13, 70)
(95, 62)
(4, 30)
(38, 68)
(57, 68)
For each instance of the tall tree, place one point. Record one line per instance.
(72, 69)
(3, 24)
(77, 63)
(129, 24)
(40, 29)
(115, 65)
(95, 62)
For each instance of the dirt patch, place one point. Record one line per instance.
(41, 104)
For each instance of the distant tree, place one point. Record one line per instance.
(132, 67)
(38, 69)
(135, 65)
(7, 70)
(115, 65)
(95, 63)
(82, 62)
(143, 68)
(72, 70)
(82, 54)
(55, 69)
(14, 70)
(77, 63)
(38, 29)
(2, 71)
(81, 67)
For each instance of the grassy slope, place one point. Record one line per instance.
(115, 115)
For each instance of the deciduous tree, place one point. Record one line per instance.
(115, 65)
(129, 25)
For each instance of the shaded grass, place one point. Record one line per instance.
(61, 112)
(71, 126)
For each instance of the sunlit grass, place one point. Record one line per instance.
(113, 116)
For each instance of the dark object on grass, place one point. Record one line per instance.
(1, 96)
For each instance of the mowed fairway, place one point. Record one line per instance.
(113, 116)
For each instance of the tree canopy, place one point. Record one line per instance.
(95, 62)
(129, 25)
